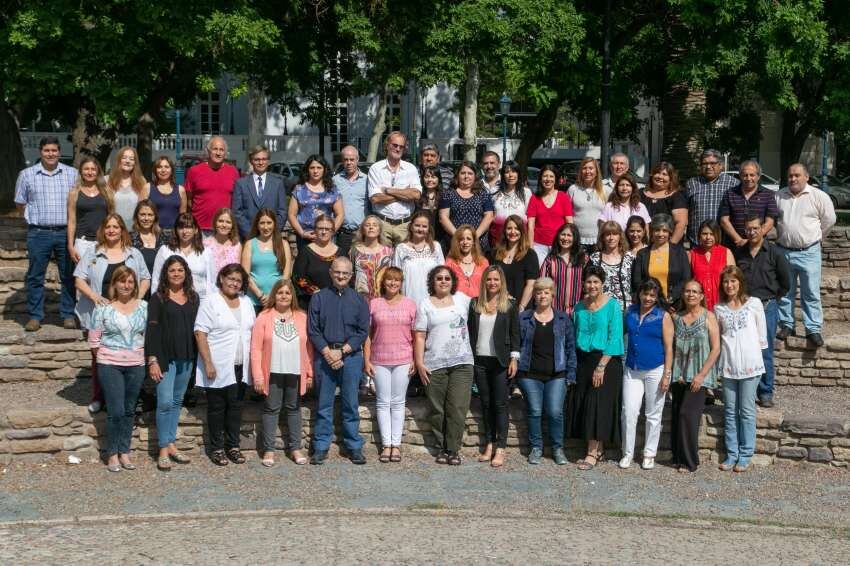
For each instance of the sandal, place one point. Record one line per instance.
(268, 459)
(454, 459)
(236, 456)
(395, 454)
(442, 457)
(299, 458)
(180, 458)
(163, 464)
(219, 458)
(585, 464)
(385, 456)
(487, 455)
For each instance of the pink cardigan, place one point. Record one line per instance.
(261, 348)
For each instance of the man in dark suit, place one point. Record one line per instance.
(256, 190)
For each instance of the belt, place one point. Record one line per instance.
(54, 228)
(336, 345)
(394, 221)
(804, 248)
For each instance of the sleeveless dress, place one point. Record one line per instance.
(691, 349)
(167, 206)
(707, 272)
(264, 270)
(126, 200)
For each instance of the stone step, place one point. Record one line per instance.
(52, 353)
(61, 425)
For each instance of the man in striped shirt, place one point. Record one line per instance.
(706, 191)
(41, 194)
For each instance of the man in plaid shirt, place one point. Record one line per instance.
(705, 192)
(41, 194)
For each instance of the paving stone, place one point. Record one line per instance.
(794, 452)
(820, 454)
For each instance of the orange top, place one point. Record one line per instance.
(469, 285)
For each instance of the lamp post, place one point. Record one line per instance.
(505, 106)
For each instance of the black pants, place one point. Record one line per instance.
(687, 411)
(492, 380)
(224, 414)
(343, 241)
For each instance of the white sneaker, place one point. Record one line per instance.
(648, 463)
(625, 462)
(94, 407)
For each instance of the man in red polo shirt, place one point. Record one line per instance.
(210, 184)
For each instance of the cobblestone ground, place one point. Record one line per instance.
(418, 512)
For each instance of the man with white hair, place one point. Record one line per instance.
(618, 165)
(210, 184)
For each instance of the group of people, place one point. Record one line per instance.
(588, 303)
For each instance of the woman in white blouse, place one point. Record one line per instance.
(444, 360)
(742, 325)
(186, 242)
(417, 256)
(223, 332)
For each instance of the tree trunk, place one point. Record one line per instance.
(470, 112)
(794, 136)
(683, 114)
(256, 115)
(537, 130)
(145, 127)
(11, 154)
(379, 127)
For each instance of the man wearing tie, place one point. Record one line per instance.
(256, 190)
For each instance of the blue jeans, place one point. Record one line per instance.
(347, 379)
(739, 411)
(121, 386)
(771, 312)
(548, 396)
(41, 245)
(169, 400)
(806, 266)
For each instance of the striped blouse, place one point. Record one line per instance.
(567, 277)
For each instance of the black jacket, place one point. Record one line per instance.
(679, 272)
(505, 332)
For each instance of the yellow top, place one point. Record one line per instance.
(659, 266)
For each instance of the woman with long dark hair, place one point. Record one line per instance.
(548, 210)
(313, 197)
(662, 196)
(611, 255)
(564, 265)
(624, 202)
(266, 257)
(518, 261)
(170, 351)
(511, 198)
(467, 202)
(186, 242)
(169, 197)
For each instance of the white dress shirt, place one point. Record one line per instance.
(406, 176)
(804, 219)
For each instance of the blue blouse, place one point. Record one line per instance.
(646, 340)
(600, 330)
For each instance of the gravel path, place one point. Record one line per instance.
(419, 537)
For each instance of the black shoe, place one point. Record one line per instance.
(783, 333)
(318, 458)
(357, 457)
(766, 401)
(816, 339)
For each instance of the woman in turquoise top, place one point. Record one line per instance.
(593, 406)
(695, 352)
(266, 257)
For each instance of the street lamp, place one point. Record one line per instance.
(505, 105)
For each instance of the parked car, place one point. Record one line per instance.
(289, 171)
(766, 181)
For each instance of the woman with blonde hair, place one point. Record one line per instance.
(127, 183)
(266, 257)
(417, 256)
(494, 337)
(612, 256)
(369, 254)
(589, 196)
(466, 260)
(389, 358)
(281, 367)
(89, 201)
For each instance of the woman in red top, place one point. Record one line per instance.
(548, 210)
(466, 260)
(708, 260)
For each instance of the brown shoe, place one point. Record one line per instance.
(69, 324)
(32, 325)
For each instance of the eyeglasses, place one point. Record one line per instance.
(444, 278)
(396, 145)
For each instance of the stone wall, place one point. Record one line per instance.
(38, 434)
(836, 248)
(798, 363)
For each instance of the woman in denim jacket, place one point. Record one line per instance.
(547, 362)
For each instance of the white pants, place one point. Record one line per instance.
(642, 385)
(541, 251)
(390, 393)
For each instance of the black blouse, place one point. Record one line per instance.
(311, 272)
(170, 334)
(666, 205)
(518, 272)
